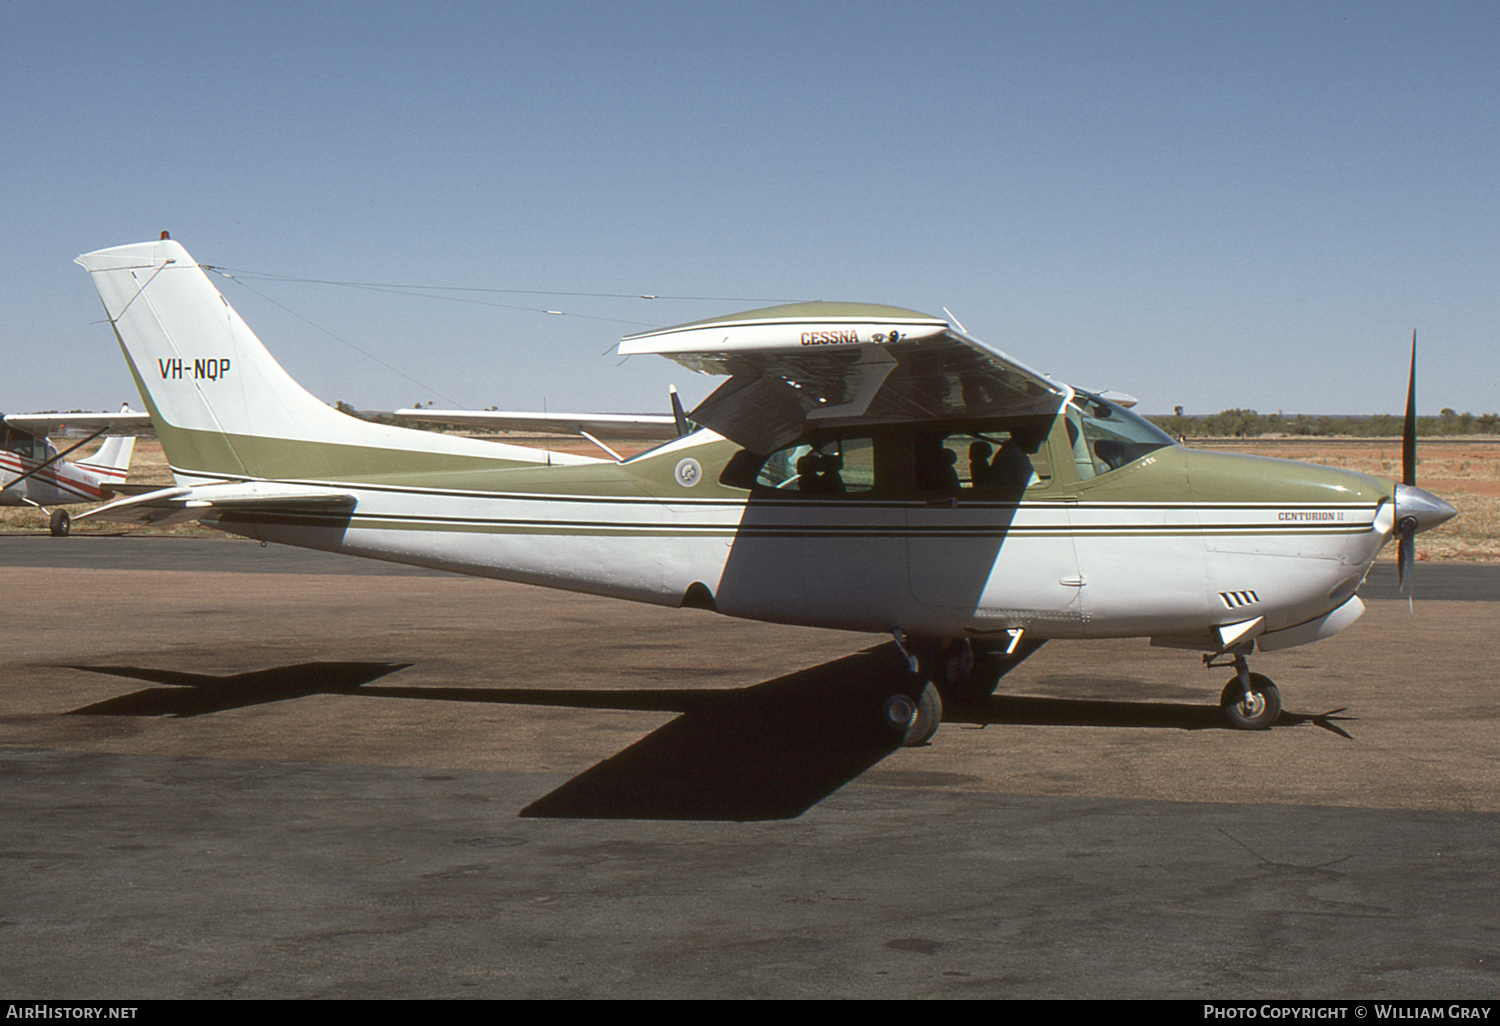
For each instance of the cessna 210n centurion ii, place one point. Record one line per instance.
(864, 468)
(34, 473)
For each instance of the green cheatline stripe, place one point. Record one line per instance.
(395, 522)
(758, 503)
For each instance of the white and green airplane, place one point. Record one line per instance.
(863, 468)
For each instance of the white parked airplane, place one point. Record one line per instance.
(864, 468)
(34, 473)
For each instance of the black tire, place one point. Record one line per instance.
(917, 717)
(60, 523)
(1255, 710)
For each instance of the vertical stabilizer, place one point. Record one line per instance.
(221, 404)
(114, 455)
(201, 370)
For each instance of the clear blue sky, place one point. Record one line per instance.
(1210, 204)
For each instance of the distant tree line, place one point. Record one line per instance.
(1250, 424)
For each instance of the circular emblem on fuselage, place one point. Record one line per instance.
(688, 472)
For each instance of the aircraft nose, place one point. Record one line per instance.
(1422, 506)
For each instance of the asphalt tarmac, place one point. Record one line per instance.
(231, 771)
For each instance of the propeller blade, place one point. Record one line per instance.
(1406, 524)
(1409, 429)
(1406, 554)
(1415, 510)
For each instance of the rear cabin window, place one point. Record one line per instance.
(971, 461)
(842, 466)
(991, 464)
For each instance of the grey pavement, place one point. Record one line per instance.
(240, 772)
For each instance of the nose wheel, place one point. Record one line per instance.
(1250, 701)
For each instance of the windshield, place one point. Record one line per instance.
(1106, 437)
(22, 443)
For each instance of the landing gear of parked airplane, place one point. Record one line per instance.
(959, 671)
(916, 717)
(1250, 700)
(968, 670)
(916, 712)
(60, 523)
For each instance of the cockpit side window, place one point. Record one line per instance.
(1106, 437)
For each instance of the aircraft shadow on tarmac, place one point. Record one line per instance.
(768, 751)
(195, 694)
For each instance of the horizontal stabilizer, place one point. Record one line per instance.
(174, 505)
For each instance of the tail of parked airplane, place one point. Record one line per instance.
(222, 406)
(113, 458)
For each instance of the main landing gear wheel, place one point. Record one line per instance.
(1253, 709)
(917, 717)
(60, 524)
(958, 662)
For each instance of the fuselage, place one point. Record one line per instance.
(1170, 543)
(56, 484)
